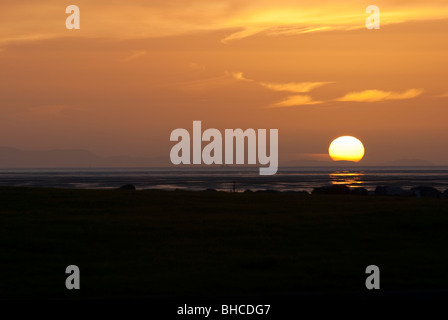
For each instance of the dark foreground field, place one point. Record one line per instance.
(176, 244)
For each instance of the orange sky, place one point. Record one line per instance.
(139, 69)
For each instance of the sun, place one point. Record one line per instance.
(346, 148)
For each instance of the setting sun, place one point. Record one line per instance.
(346, 148)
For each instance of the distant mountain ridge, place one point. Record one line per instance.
(74, 158)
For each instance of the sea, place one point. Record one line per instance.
(227, 178)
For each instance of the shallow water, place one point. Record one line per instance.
(225, 178)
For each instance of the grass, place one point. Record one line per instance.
(158, 243)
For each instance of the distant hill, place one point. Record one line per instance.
(16, 158)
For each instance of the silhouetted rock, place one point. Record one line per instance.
(210, 190)
(248, 191)
(426, 192)
(445, 194)
(128, 187)
(335, 189)
(391, 191)
(359, 191)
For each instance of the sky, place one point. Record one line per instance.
(137, 70)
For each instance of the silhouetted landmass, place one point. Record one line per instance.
(16, 158)
(333, 189)
(58, 158)
(150, 243)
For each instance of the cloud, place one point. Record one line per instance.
(245, 33)
(277, 31)
(305, 87)
(287, 17)
(124, 19)
(443, 95)
(379, 95)
(294, 101)
(295, 87)
(297, 30)
(282, 31)
(238, 76)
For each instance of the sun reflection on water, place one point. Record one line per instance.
(353, 179)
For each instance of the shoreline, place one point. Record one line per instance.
(336, 189)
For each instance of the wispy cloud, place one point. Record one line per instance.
(295, 87)
(296, 30)
(379, 95)
(292, 87)
(238, 76)
(281, 31)
(245, 33)
(306, 87)
(295, 101)
(124, 19)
